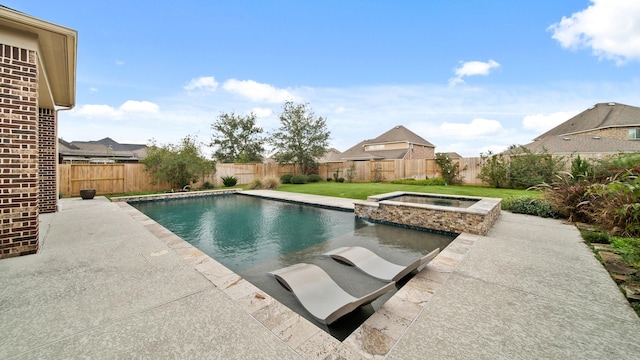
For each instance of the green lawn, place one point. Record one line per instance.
(362, 190)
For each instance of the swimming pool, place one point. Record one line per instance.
(242, 231)
(253, 236)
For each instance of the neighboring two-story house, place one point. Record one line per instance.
(398, 143)
(602, 130)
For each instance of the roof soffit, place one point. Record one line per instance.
(56, 47)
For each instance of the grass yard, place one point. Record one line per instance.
(360, 191)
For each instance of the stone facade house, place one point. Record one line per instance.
(37, 79)
(398, 143)
(602, 130)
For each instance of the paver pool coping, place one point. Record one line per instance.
(374, 338)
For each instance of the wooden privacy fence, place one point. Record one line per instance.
(125, 178)
(387, 170)
(106, 179)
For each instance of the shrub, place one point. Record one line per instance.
(207, 185)
(449, 169)
(329, 179)
(256, 184)
(229, 181)
(494, 170)
(267, 183)
(567, 196)
(336, 174)
(270, 183)
(286, 178)
(522, 168)
(595, 237)
(314, 178)
(340, 180)
(527, 168)
(531, 206)
(610, 198)
(299, 179)
(350, 174)
(580, 169)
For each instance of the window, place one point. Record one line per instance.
(634, 134)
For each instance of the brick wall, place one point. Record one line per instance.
(47, 161)
(420, 152)
(18, 152)
(620, 133)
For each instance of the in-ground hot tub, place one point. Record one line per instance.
(446, 213)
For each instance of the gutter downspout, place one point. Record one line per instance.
(57, 151)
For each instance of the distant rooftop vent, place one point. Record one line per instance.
(612, 104)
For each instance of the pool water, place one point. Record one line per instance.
(242, 231)
(252, 236)
(433, 200)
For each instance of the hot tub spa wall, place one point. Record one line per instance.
(476, 219)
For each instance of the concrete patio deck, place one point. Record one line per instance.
(109, 282)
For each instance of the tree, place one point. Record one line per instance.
(180, 164)
(301, 139)
(237, 139)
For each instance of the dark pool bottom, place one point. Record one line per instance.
(253, 236)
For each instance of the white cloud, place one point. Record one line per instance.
(97, 111)
(93, 90)
(203, 83)
(256, 91)
(543, 122)
(477, 128)
(472, 68)
(262, 112)
(92, 111)
(119, 62)
(611, 28)
(139, 106)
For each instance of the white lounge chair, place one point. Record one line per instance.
(320, 295)
(372, 264)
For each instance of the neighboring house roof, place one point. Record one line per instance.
(398, 134)
(331, 155)
(582, 144)
(104, 148)
(599, 116)
(56, 47)
(586, 132)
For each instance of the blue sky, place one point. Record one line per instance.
(468, 76)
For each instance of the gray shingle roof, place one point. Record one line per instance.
(569, 137)
(583, 144)
(599, 116)
(396, 134)
(106, 147)
(399, 133)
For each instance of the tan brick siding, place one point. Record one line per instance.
(620, 133)
(18, 151)
(420, 152)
